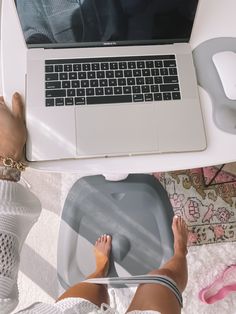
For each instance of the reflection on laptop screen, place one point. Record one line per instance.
(106, 22)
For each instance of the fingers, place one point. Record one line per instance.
(18, 106)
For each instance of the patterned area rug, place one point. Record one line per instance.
(206, 198)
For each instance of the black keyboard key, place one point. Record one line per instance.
(99, 91)
(77, 67)
(86, 67)
(167, 96)
(70, 92)
(131, 81)
(69, 101)
(172, 71)
(79, 101)
(108, 91)
(119, 73)
(169, 88)
(176, 95)
(73, 76)
(149, 80)
(109, 74)
(60, 102)
(146, 72)
(51, 77)
(145, 89)
(149, 64)
(100, 74)
(95, 66)
(66, 84)
(50, 102)
(155, 72)
(49, 68)
(158, 64)
(112, 82)
(85, 83)
(94, 83)
(55, 93)
(80, 92)
(104, 66)
(122, 65)
(127, 89)
(136, 89)
(90, 92)
(75, 84)
(82, 75)
(157, 96)
(109, 99)
(148, 97)
(131, 65)
(59, 68)
(128, 73)
(137, 72)
(138, 97)
(53, 85)
(139, 81)
(122, 82)
(103, 83)
(155, 88)
(140, 64)
(170, 64)
(91, 75)
(170, 79)
(118, 90)
(63, 76)
(113, 65)
(164, 71)
(68, 67)
(158, 80)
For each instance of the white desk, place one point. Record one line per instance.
(215, 18)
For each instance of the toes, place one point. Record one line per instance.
(176, 220)
(108, 238)
(179, 222)
(103, 239)
(99, 240)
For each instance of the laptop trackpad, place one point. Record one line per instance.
(116, 129)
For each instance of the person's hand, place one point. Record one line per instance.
(12, 128)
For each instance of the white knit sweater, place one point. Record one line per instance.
(19, 210)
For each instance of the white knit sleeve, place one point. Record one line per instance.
(19, 210)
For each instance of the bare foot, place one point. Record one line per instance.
(102, 249)
(180, 231)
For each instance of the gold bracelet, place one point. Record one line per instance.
(8, 162)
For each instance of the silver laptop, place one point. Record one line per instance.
(110, 78)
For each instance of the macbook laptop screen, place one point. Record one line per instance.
(67, 23)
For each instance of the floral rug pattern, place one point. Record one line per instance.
(209, 210)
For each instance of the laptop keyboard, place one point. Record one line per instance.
(111, 80)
